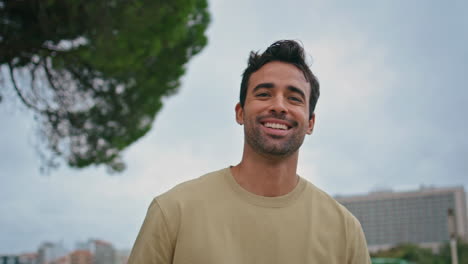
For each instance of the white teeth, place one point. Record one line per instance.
(276, 126)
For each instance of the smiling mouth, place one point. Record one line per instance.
(276, 126)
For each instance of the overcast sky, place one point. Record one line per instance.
(392, 114)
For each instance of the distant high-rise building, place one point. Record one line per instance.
(49, 252)
(62, 260)
(121, 256)
(421, 217)
(9, 259)
(102, 251)
(28, 258)
(81, 257)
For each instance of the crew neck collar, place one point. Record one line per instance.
(264, 201)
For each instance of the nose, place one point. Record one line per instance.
(278, 105)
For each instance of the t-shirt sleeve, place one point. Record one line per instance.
(153, 244)
(357, 245)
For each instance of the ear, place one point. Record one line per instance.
(239, 114)
(310, 128)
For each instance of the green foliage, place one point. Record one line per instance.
(97, 71)
(389, 261)
(418, 255)
(462, 250)
(409, 252)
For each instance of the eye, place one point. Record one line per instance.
(262, 95)
(296, 99)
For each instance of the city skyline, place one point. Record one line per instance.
(93, 250)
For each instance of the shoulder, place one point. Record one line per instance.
(324, 201)
(187, 194)
(186, 197)
(195, 188)
(341, 220)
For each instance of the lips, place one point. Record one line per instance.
(276, 123)
(276, 127)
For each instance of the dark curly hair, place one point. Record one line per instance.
(288, 51)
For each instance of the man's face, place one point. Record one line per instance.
(276, 110)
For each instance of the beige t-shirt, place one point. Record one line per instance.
(212, 219)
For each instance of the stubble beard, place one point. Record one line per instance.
(265, 144)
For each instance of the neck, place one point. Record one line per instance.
(266, 175)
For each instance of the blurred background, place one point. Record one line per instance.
(391, 117)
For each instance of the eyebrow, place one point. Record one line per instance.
(263, 85)
(297, 90)
(271, 85)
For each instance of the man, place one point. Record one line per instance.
(259, 211)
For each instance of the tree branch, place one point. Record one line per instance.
(50, 79)
(33, 82)
(49, 76)
(18, 92)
